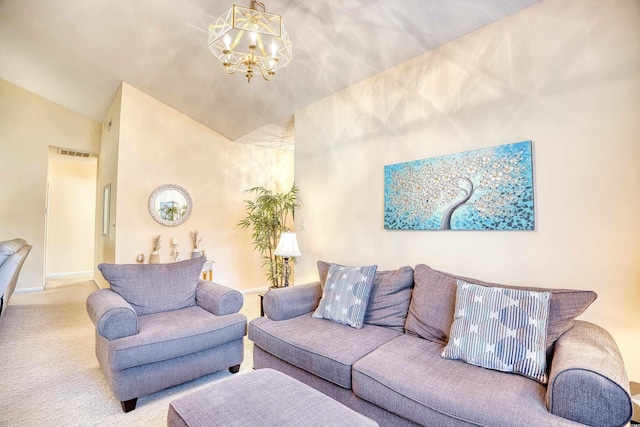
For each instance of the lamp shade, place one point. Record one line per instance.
(288, 245)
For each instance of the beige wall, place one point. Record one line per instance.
(30, 124)
(563, 73)
(156, 146)
(105, 247)
(71, 213)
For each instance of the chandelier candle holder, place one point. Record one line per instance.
(250, 40)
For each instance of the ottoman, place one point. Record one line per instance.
(264, 397)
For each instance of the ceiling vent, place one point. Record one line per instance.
(75, 153)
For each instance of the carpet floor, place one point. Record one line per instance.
(49, 374)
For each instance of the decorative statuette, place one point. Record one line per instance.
(195, 241)
(174, 250)
(154, 258)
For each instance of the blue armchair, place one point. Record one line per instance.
(160, 325)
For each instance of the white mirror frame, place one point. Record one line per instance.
(154, 212)
(106, 210)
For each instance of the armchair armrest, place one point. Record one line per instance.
(294, 301)
(218, 299)
(112, 316)
(587, 381)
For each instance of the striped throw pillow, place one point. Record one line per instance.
(501, 329)
(346, 294)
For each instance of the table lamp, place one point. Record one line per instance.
(287, 248)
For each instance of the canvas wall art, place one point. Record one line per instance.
(486, 189)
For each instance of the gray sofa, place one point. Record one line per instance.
(13, 253)
(392, 369)
(159, 325)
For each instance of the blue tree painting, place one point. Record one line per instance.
(487, 189)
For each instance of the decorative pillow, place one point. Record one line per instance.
(434, 295)
(155, 288)
(501, 329)
(346, 294)
(390, 296)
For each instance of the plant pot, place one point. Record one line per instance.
(196, 254)
(154, 258)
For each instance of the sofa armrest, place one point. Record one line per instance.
(290, 302)
(112, 316)
(587, 380)
(218, 299)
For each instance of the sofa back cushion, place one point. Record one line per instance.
(10, 247)
(155, 288)
(389, 299)
(431, 311)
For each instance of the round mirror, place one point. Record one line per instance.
(170, 205)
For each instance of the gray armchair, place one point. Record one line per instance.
(13, 253)
(160, 325)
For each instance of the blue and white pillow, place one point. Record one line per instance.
(500, 328)
(346, 294)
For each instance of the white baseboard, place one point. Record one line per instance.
(25, 290)
(69, 274)
(253, 291)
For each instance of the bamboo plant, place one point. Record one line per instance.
(267, 216)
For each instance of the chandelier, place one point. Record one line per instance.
(250, 40)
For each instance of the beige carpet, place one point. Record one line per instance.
(49, 375)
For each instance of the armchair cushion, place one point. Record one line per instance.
(218, 299)
(155, 288)
(171, 334)
(112, 316)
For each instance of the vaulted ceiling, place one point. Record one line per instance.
(76, 52)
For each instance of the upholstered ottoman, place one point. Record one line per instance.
(264, 397)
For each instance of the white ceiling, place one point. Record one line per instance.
(76, 52)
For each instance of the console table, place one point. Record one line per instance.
(207, 270)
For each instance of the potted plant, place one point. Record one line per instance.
(267, 216)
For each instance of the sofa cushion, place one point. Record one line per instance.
(408, 377)
(326, 349)
(390, 296)
(167, 335)
(346, 295)
(499, 328)
(155, 288)
(433, 303)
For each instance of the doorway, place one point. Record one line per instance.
(70, 213)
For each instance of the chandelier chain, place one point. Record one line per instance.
(256, 4)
